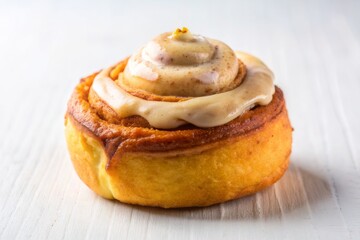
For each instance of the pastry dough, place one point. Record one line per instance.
(129, 160)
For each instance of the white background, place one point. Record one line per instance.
(313, 47)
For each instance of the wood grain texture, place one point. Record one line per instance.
(313, 48)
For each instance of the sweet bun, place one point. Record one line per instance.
(128, 159)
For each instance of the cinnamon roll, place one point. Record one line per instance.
(185, 121)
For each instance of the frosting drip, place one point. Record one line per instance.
(206, 111)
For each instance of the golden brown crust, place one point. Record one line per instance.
(128, 160)
(135, 134)
(217, 172)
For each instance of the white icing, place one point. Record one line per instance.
(207, 111)
(209, 77)
(139, 69)
(188, 66)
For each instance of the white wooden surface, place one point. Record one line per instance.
(312, 46)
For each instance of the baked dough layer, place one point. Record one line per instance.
(127, 160)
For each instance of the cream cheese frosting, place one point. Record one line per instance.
(182, 64)
(213, 110)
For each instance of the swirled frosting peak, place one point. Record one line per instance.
(182, 64)
(218, 83)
